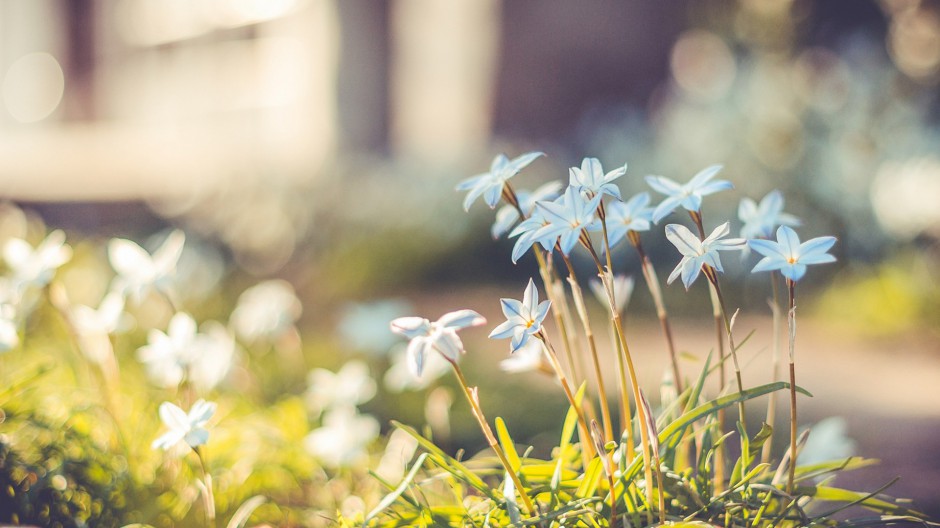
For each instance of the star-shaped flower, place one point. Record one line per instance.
(523, 319)
(634, 215)
(567, 217)
(350, 386)
(687, 195)
(490, 184)
(139, 271)
(35, 266)
(184, 426)
(591, 180)
(761, 219)
(508, 215)
(790, 256)
(441, 335)
(530, 231)
(697, 253)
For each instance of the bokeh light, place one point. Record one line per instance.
(33, 87)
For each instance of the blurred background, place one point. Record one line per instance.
(319, 141)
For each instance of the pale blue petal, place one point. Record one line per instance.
(788, 240)
(717, 233)
(522, 246)
(768, 248)
(664, 185)
(690, 271)
(201, 411)
(512, 308)
(615, 233)
(638, 202)
(712, 260)
(772, 204)
(692, 202)
(616, 173)
(817, 258)
(500, 163)
(788, 219)
(474, 193)
(663, 209)
(687, 243)
(448, 343)
(611, 190)
(522, 162)
(530, 299)
(504, 330)
(703, 176)
(747, 210)
(461, 319)
(541, 312)
(518, 339)
(569, 240)
(554, 212)
(794, 272)
(505, 218)
(411, 327)
(675, 272)
(415, 353)
(816, 246)
(472, 182)
(713, 187)
(168, 439)
(492, 194)
(197, 437)
(769, 264)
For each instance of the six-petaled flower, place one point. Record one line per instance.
(688, 195)
(523, 318)
(187, 427)
(790, 256)
(697, 253)
(760, 219)
(490, 184)
(441, 335)
(591, 179)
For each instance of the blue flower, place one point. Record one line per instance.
(789, 256)
(697, 253)
(187, 427)
(490, 184)
(508, 215)
(634, 215)
(688, 195)
(534, 229)
(523, 319)
(441, 335)
(591, 180)
(568, 216)
(761, 219)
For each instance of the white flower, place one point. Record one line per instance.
(266, 311)
(9, 338)
(441, 335)
(343, 439)
(526, 359)
(400, 375)
(623, 290)
(93, 327)
(760, 220)
(697, 253)
(827, 441)
(35, 267)
(688, 195)
(187, 427)
(139, 271)
(184, 354)
(351, 386)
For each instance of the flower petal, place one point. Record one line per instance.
(461, 319)
(687, 243)
(410, 327)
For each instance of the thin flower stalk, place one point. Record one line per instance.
(580, 307)
(549, 280)
(477, 411)
(791, 326)
(585, 431)
(206, 485)
(775, 365)
(652, 284)
(631, 369)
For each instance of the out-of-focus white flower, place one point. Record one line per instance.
(9, 338)
(623, 290)
(184, 354)
(187, 427)
(441, 335)
(215, 348)
(400, 377)
(526, 359)
(363, 325)
(266, 311)
(827, 441)
(35, 267)
(343, 438)
(351, 386)
(139, 271)
(93, 327)
(399, 450)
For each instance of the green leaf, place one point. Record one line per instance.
(592, 476)
(393, 496)
(448, 463)
(508, 446)
(571, 421)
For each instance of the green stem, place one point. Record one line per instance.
(775, 368)
(208, 497)
(791, 324)
(491, 438)
(586, 448)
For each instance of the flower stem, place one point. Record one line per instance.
(589, 333)
(775, 368)
(712, 275)
(586, 448)
(208, 497)
(652, 284)
(491, 438)
(791, 324)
